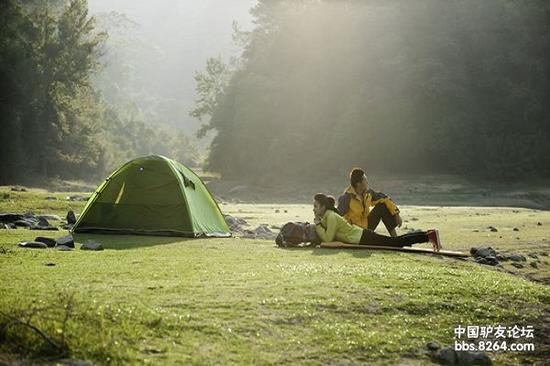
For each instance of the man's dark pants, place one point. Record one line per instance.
(381, 212)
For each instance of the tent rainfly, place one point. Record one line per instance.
(153, 195)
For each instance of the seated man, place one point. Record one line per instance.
(356, 202)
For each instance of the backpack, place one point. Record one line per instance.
(293, 234)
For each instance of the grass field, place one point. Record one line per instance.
(155, 300)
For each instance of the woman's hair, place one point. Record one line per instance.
(355, 176)
(327, 202)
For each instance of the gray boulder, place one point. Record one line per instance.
(9, 218)
(38, 227)
(48, 241)
(71, 218)
(64, 248)
(51, 217)
(66, 240)
(517, 257)
(24, 223)
(448, 356)
(483, 252)
(263, 232)
(32, 244)
(91, 245)
(42, 224)
(489, 260)
(76, 197)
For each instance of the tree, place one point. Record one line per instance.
(211, 84)
(398, 87)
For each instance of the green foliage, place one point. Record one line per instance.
(211, 84)
(54, 121)
(397, 86)
(52, 113)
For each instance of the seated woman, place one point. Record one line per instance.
(330, 226)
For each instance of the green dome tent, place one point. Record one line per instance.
(153, 195)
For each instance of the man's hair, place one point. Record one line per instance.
(355, 176)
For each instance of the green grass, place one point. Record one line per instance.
(155, 300)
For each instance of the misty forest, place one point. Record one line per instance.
(414, 87)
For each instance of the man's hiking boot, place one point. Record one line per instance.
(433, 237)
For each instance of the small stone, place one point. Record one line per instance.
(533, 255)
(42, 221)
(76, 197)
(481, 260)
(517, 257)
(534, 265)
(539, 223)
(515, 229)
(473, 358)
(492, 229)
(276, 211)
(48, 241)
(483, 252)
(51, 198)
(448, 356)
(71, 218)
(10, 217)
(64, 248)
(66, 240)
(91, 245)
(49, 217)
(49, 264)
(433, 346)
(23, 223)
(491, 260)
(517, 265)
(32, 244)
(40, 227)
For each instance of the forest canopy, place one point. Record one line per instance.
(58, 118)
(396, 87)
(399, 87)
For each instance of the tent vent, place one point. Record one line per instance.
(186, 181)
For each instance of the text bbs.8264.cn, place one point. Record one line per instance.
(494, 338)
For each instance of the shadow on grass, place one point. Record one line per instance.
(119, 241)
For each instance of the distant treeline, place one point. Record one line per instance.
(54, 122)
(399, 87)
